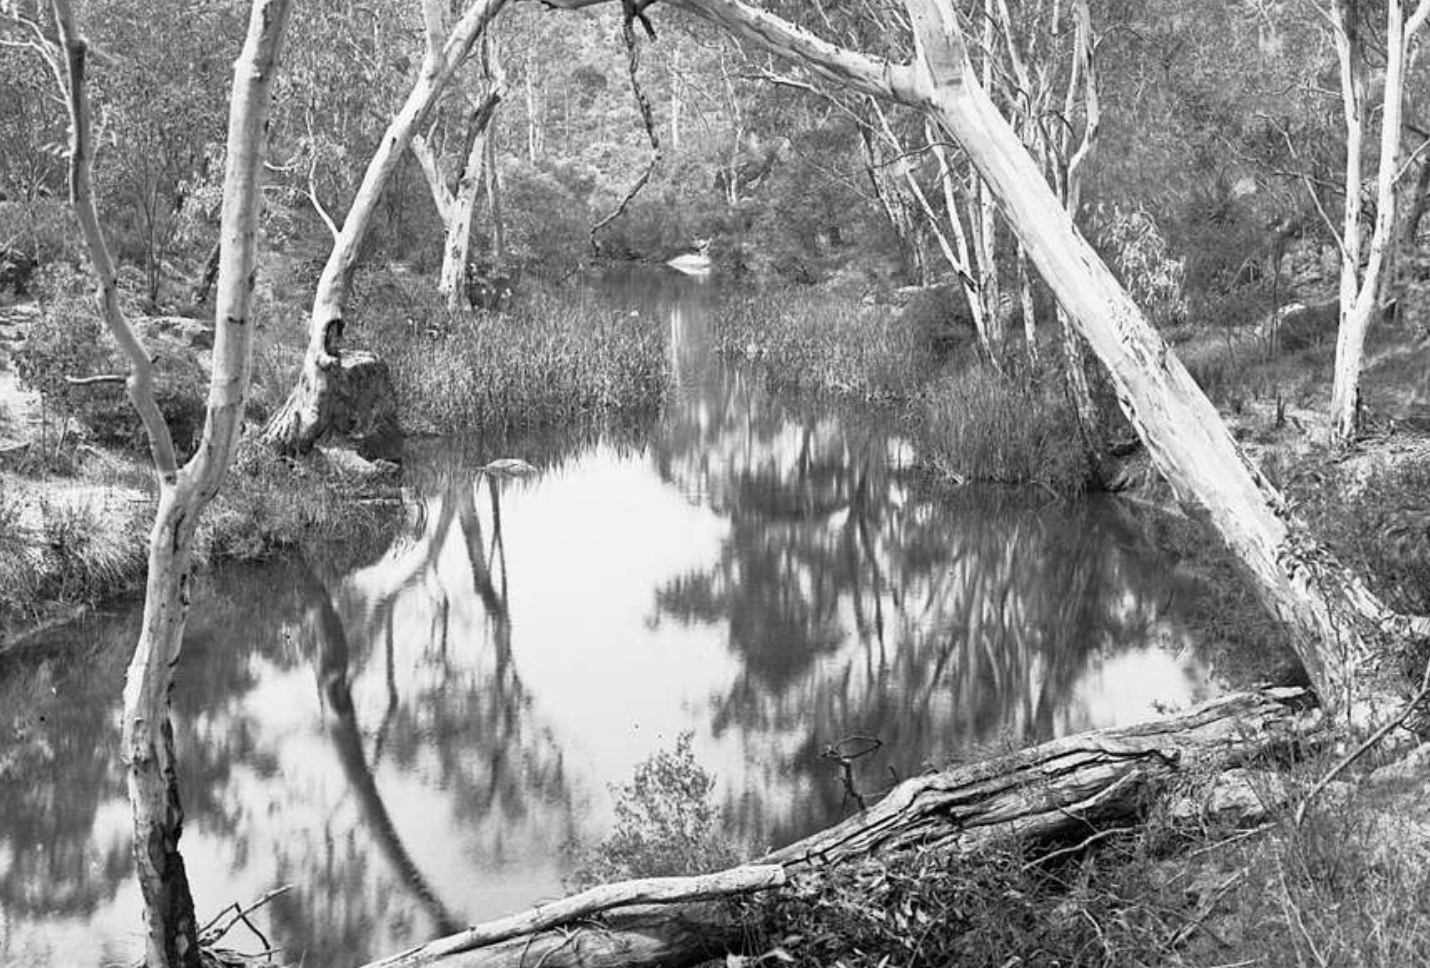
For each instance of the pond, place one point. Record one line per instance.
(423, 741)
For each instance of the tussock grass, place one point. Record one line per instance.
(555, 361)
(825, 344)
(69, 549)
(979, 425)
(270, 504)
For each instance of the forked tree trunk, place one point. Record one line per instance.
(456, 205)
(171, 930)
(311, 409)
(1333, 615)
(1360, 287)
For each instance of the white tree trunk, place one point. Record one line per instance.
(171, 931)
(456, 205)
(306, 415)
(1360, 285)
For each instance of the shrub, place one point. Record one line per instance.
(1138, 251)
(665, 824)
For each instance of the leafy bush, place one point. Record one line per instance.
(665, 824)
(66, 340)
(1139, 254)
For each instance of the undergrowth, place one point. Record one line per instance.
(666, 825)
(1346, 887)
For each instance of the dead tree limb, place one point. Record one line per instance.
(578, 907)
(1048, 794)
(633, 63)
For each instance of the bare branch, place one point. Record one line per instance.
(654, 890)
(96, 380)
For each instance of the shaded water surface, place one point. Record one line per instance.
(416, 743)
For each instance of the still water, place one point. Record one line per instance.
(419, 742)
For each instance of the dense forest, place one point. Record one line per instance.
(1005, 347)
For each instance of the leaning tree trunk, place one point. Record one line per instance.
(1333, 615)
(1044, 795)
(171, 930)
(315, 405)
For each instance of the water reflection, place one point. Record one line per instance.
(412, 743)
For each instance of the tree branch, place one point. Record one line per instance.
(655, 890)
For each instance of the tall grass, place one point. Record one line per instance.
(825, 344)
(978, 425)
(555, 361)
(75, 547)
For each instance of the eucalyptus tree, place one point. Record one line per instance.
(1335, 617)
(456, 198)
(313, 406)
(1363, 262)
(171, 930)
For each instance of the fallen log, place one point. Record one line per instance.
(604, 897)
(1069, 786)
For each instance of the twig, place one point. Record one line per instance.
(210, 937)
(89, 381)
(633, 63)
(1365, 747)
(1100, 835)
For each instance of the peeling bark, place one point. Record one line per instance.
(171, 932)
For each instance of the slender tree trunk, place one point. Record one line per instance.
(1029, 306)
(456, 206)
(171, 930)
(311, 408)
(955, 219)
(1360, 287)
(495, 215)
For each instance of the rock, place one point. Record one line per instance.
(509, 467)
(193, 333)
(1414, 766)
(1299, 326)
(1236, 798)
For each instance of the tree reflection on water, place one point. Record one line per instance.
(411, 743)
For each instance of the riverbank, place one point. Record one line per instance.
(1254, 883)
(76, 492)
